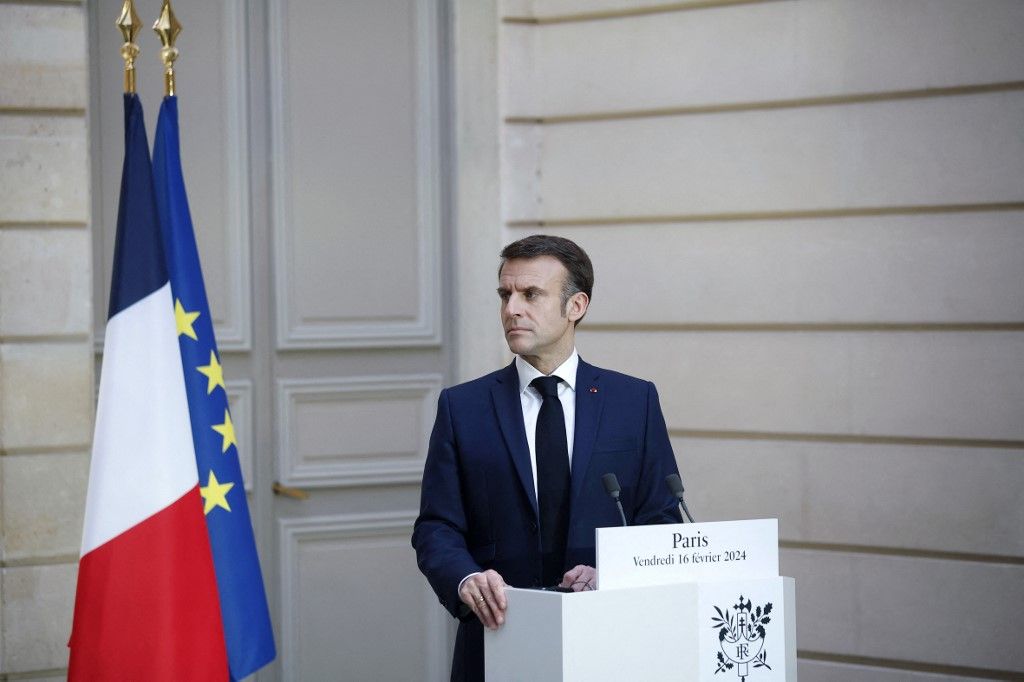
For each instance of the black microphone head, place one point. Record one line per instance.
(611, 485)
(675, 484)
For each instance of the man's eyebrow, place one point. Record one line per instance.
(532, 289)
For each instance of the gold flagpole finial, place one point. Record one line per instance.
(130, 24)
(168, 27)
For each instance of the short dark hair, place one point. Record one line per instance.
(568, 253)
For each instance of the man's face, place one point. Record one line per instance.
(537, 325)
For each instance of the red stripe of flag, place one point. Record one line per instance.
(147, 605)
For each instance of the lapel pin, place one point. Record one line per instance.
(593, 389)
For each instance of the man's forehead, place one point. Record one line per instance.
(534, 270)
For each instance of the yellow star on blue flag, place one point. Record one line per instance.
(213, 372)
(215, 494)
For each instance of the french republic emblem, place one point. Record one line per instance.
(741, 634)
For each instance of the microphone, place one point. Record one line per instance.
(675, 484)
(611, 486)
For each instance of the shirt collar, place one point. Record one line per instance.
(565, 371)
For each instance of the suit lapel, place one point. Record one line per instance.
(589, 401)
(509, 409)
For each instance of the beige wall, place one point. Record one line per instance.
(46, 360)
(806, 220)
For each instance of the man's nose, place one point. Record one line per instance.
(512, 306)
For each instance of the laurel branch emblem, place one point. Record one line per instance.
(741, 636)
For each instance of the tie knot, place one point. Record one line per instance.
(546, 386)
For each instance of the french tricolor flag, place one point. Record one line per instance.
(147, 605)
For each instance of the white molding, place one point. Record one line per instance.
(235, 334)
(477, 237)
(242, 416)
(363, 470)
(340, 332)
(396, 524)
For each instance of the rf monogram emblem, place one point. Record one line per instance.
(741, 636)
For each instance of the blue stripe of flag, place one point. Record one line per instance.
(139, 267)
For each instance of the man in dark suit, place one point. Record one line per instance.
(512, 487)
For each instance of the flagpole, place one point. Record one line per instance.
(168, 27)
(129, 23)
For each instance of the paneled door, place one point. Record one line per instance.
(311, 141)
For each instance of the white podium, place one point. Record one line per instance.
(740, 629)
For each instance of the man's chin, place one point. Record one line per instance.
(517, 345)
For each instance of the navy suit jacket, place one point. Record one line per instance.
(478, 508)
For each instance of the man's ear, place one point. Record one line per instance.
(576, 306)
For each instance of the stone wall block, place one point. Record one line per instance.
(44, 169)
(47, 391)
(43, 63)
(45, 284)
(43, 498)
(38, 602)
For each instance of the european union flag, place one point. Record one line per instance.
(247, 628)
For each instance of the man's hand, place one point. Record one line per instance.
(484, 594)
(580, 578)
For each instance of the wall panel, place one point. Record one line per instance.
(42, 504)
(938, 385)
(42, 65)
(927, 610)
(47, 391)
(822, 671)
(355, 177)
(861, 155)
(366, 430)
(571, 7)
(240, 403)
(39, 295)
(38, 603)
(759, 52)
(894, 496)
(956, 268)
(43, 169)
(333, 565)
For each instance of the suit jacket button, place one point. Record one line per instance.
(533, 527)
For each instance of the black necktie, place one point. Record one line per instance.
(552, 480)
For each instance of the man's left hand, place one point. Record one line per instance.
(580, 578)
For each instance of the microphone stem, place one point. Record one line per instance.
(622, 514)
(685, 510)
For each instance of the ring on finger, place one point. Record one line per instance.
(480, 599)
